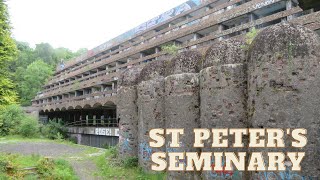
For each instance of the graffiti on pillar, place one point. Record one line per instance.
(145, 151)
(124, 139)
(224, 173)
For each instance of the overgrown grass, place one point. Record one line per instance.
(111, 167)
(14, 166)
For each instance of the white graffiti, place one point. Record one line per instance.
(262, 4)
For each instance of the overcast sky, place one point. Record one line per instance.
(78, 24)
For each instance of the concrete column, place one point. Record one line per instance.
(117, 66)
(220, 29)
(284, 91)
(223, 94)
(127, 111)
(157, 51)
(150, 109)
(289, 6)
(113, 86)
(182, 105)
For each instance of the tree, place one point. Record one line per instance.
(7, 54)
(45, 52)
(32, 79)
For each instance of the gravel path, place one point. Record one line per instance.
(84, 168)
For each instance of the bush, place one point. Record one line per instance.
(54, 130)
(10, 119)
(130, 162)
(170, 49)
(29, 127)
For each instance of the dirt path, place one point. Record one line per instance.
(76, 155)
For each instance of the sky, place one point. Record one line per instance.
(76, 24)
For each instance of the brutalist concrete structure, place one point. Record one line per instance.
(84, 91)
(128, 112)
(151, 110)
(284, 88)
(270, 83)
(182, 106)
(223, 84)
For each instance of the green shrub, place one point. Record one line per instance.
(250, 37)
(170, 49)
(130, 162)
(10, 119)
(63, 170)
(54, 130)
(29, 127)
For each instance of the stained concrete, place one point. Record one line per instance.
(222, 93)
(182, 104)
(150, 109)
(284, 88)
(128, 112)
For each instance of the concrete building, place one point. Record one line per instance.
(83, 91)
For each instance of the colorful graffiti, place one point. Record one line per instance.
(142, 27)
(224, 173)
(286, 175)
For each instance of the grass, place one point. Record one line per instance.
(111, 167)
(107, 162)
(14, 166)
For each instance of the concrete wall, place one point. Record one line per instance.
(273, 83)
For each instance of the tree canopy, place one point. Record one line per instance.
(8, 52)
(23, 69)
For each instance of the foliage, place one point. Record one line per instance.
(170, 49)
(29, 127)
(250, 37)
(10, 119)
(31, 80)
(112, 167)
(8, 52)
(8, 95)
(130, 162)
(55, 129)
(43, 168)
(14, 121)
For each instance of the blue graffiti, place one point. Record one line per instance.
(286, 175)
(145, 151)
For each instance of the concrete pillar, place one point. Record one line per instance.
(284, 90)
(220, 29)
(289, 6)
(182, 105)
(222, 95)
(157, 51)
(117, 66)
(127, 111)
(151, 109)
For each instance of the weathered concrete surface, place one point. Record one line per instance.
(151, 109)
(182, 104)
(222, 95)
(284, 90)
(128, 112)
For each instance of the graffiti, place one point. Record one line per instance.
(262, 4)
(167, 15)
(131, 33)
(124, 139)
(145, 151)
(224, 173)
(286, 175)
(170, 149)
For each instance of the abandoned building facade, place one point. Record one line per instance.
(84, 91)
